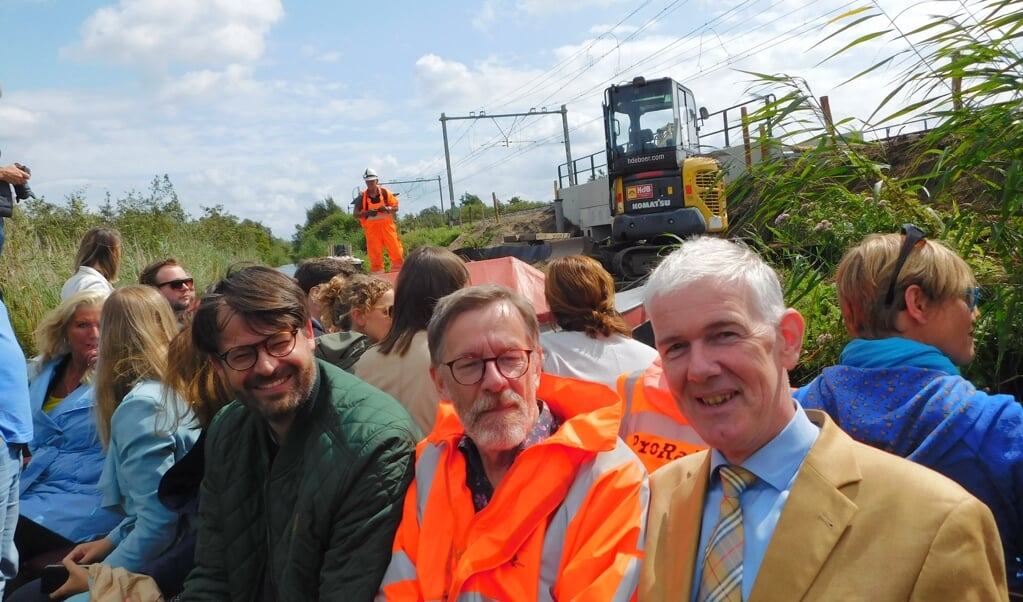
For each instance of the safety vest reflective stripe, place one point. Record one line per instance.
(655, 423)
(627, 394)
(554, 537)
(475, 597)
(400, 568)
(426, 467)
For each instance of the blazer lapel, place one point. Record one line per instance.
(813, 519)
(685, 518)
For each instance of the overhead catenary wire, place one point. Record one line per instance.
(569, 74)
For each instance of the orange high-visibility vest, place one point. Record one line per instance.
(383, 199)
(652, 424)
(567, 521)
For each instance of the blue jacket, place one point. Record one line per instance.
(934, 418)
(15, 414)
(146, 438)
(59, 486)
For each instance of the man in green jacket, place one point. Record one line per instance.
(306, 471)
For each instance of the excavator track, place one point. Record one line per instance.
(636, 262)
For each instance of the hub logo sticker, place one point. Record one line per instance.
(639, 191)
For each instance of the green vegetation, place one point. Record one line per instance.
(961, 180)
(327, 225)
(42, 239)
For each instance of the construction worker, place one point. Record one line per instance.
(652, 424)
(375, 210)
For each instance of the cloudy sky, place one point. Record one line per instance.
(267, 106)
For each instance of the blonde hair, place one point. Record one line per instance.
(137, 325)
(51, 333)
(581, 295)
(865, 273)
(343, 294)
(192, 376)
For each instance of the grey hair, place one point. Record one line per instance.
(472, 298)
(726, 262)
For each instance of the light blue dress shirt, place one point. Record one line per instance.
(776, 466)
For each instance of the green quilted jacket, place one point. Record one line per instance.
(321, 518)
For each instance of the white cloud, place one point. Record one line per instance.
(541, 7)
(330, 57)
(487, 15)
(235, 80)
(198, 32)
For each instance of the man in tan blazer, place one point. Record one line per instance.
(826, 518)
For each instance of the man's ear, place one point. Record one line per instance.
(438, 382)
(538, 362)
(218, 367)
(792, 327)
(308, 331)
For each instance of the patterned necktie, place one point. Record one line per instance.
(721, 580)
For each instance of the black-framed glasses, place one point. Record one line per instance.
(513, 363)
(972, 297)
(914, 236)
(178, 284)
(243, 357)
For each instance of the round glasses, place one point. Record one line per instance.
(243, 357)
(471, 370)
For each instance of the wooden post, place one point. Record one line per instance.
(745, 137)
(829, 123)
(957, 87)
(497, 210)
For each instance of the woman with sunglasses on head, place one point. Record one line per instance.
(357, 311)
(910, 304)
(144, 427)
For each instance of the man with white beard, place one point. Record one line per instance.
(523, 490)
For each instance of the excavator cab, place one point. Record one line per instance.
(659, 184)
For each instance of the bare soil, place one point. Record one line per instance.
(491, 232)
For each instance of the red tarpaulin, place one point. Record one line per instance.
(513, 273)
(528, 281)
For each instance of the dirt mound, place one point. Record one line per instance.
(490, 231)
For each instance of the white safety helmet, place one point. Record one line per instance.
(370, 174)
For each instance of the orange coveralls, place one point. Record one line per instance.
(381, 231)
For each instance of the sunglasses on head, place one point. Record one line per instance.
(914, 236)
(177, 284)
